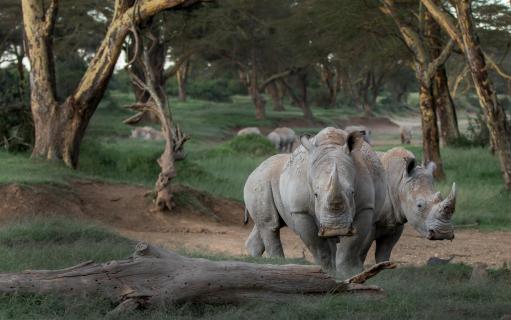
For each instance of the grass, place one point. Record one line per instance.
(220, 165)
(412, 293)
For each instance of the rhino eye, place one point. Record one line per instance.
(421, 205)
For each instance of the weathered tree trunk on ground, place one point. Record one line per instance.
(182, 79)
(276, 94)
(59, 127)
(463, 33)
(156, 277)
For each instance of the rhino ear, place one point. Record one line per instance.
(355, 141)
(430, 168)
(410, 165)
(305, 141)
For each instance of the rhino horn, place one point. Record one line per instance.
(449, 203)
(335, 185)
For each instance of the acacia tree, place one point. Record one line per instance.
(426, 67)
(60, 127)
(464, 34)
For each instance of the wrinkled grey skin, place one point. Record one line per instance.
(366, 133)
(249, 130)
(411, 198)
(283, 139)
(318, 191)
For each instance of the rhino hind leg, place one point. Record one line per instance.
(254, 243)
(272, 243)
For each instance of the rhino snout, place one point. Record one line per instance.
(433, 235)
(326, 232)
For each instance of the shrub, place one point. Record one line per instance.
(250, 144)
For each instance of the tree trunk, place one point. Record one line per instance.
(330, 80)
(257, 98)
(182, 78)
(156, 277)
(493, 109)
(276, 95)
(446, 110)
(59, 128)
(430, 138)
(300, 98)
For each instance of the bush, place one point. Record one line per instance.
(16, 128)
(250, 144)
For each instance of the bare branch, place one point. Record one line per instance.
(50, 17)
(445, 21)
(440, 60)
(273, 78)
(496, 67)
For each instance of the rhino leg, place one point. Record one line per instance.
(322, 249)
(272, 243)
(352, 251)
(385, 244)
(254, 243)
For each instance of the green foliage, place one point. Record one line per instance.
(16, 128)
(246, 145)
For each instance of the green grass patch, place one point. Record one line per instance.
(411, 292)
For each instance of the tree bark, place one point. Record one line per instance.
(300, 97)
(430, 136)
(330, 79)
(182, 78)
(446, 109)
(493, 109)
(257, 98)
(276, 95)
(59, 127)
(467, 40)
(156, 277)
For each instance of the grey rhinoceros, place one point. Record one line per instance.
(323, 190)
(411, 197)
(282, 138)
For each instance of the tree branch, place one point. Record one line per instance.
(445, 21)
(440, 60)
(273, 78)
(50, 17)
(496, 67)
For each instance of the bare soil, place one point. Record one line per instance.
(202, 222)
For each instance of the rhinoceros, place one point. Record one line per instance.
(405, 134)
(411, 197)
(283, 139)
(364, 130)
(249, 130)
(321, 191)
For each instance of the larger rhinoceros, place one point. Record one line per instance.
(321, 191)
(411, 197)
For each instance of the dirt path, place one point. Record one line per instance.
(205, 223)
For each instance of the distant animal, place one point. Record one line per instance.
(249, 130)
(406, 135)
(411, 197)
(317, 191)
(283, 139)
(146, 133)
(435, 261)
(366, 133)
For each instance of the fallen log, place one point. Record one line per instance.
(154, 276)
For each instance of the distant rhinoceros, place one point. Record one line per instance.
(283, 139)
(362, 129)
(249, 130)
(411, 197)
(317, 191)
(405, 133)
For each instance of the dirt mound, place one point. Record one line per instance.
(203, 222)
(373, 123)
(118, 205)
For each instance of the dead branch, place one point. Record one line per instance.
(153, 276)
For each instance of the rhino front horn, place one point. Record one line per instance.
(449, 203)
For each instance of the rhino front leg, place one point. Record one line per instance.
(352, 251)
(254, 243)
(322, 249)
(385, 244)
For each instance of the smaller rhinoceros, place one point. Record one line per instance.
(249, 130)
(406, 135)
(411, 197)
(366, 133)
(283, 139)
(146, 133)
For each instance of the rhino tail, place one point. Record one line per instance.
(245, 216)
